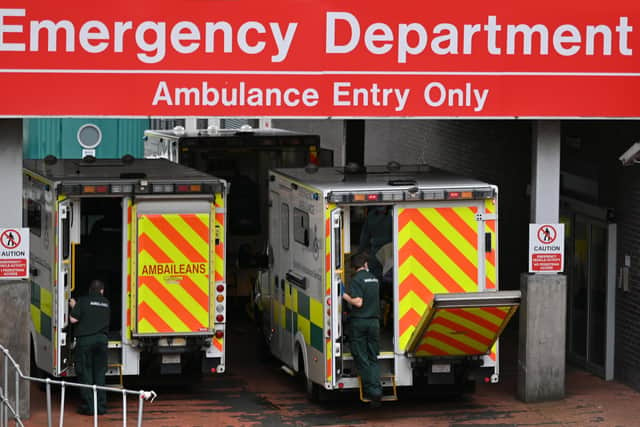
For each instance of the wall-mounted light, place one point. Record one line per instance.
(631, 156)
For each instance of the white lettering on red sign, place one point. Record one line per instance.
(316, 59)
(152, 40)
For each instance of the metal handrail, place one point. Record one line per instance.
(7, 410)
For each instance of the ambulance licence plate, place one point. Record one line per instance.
(441, 368)
(170, 359)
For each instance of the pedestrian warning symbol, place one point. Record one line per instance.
(10, 239)
(547, 234)
(546, 248)
(14, 253)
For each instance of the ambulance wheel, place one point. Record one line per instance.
(312, 390)
(314, 394)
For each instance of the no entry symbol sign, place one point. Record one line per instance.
(546, 248)
(10, 239)
(14, 253)
(547, 234)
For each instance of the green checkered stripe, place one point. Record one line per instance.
(303, 314)
(41, 310)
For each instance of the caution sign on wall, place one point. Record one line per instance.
(14, 253)
(546, 248)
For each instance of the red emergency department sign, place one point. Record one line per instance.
(546, 248)
(320, 59)
(14, 253)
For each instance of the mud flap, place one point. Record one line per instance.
(463, 324)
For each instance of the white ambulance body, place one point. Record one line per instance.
(154, 232)
(442, 311)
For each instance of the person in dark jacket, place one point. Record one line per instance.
(90, 318)
(376, 232)
(364, 324)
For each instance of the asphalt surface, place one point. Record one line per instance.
(258, 393)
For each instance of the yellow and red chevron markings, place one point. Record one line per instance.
(438, 253)
(463, 331)
(173, 273)
(220, 242)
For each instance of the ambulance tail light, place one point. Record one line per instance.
(219, 334)
(188, 188)
(220, 309)
(95, 189)
(459, 195)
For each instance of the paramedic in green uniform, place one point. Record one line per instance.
(90, 319)
(364, 324)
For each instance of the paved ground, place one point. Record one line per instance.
(260, 394)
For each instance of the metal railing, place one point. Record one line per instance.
(12, 413)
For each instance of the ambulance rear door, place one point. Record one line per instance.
(68, 229)
(174, 266)
(463, 324)
(444, 247)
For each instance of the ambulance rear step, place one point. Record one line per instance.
(388, 383)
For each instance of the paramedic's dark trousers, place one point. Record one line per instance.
(365, 346)
(91, 367)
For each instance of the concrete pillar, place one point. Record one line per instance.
(545, 172)
(541, 353)
(14, 294)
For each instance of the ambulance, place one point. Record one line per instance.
(154, 232)
(442, 312)
(243, 157)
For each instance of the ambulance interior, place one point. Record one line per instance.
(99, 254)
(381, 266)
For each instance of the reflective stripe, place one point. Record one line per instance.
(129, 243)
(327, 247)
(490, 257)
(218, 343)
(219, 237)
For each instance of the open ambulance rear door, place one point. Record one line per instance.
(449, 247)
(466, 324)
